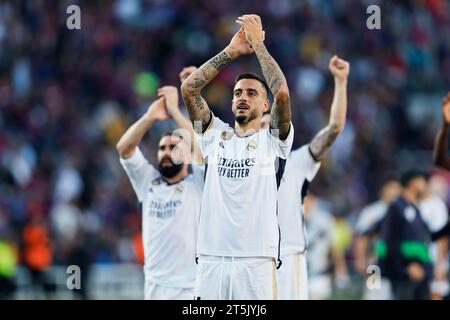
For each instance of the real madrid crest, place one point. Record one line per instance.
(226, 135)
(179, 188)
(156, 182)
(251, 145)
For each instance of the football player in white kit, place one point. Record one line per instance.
(170, 199)
(238, 231)
(302, 166)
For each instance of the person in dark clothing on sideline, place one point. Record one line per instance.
(404, 238)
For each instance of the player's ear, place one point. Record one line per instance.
(266, 105)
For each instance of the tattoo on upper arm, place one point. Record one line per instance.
(198, 110)
(323, 140)
(281, 118)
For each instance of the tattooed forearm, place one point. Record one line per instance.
(281, 117)
(197, 107)
(198, 83)
(206, 73)
(270, 68)
(281, 110)
(322, 142)
(220, 60)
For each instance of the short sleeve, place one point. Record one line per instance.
(303, 164)
(139, 172)
(369, 217)
(364, 223)
(207, 139)
(198, 172)
(282, 147)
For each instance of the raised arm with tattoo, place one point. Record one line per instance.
(322, 142)
(281, 110)
(191, 88)
(133, 136)
(440, 152)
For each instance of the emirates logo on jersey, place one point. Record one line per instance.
(233, 168)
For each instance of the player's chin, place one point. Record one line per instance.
(241, 119)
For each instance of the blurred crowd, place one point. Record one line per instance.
(66, 96)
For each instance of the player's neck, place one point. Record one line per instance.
(180, 176)
(247, 129)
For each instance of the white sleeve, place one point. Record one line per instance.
(139, 172)
(303, 164)
(364, 222)
(207, 139)
(434, 213)
(198, 171)
(282, 147)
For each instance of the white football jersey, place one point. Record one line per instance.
(239, 214)
(170, 215)
(300, 170)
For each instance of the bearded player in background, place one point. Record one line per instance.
(170, 199)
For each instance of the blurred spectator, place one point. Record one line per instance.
(324, 254)
(365, 254)
(38, 255)
(410, 223)
(8, 265)
(435, 214)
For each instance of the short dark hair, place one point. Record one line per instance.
(410, 175)
(251, 75)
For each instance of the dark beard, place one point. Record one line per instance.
(243, 119)
(170, 172)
